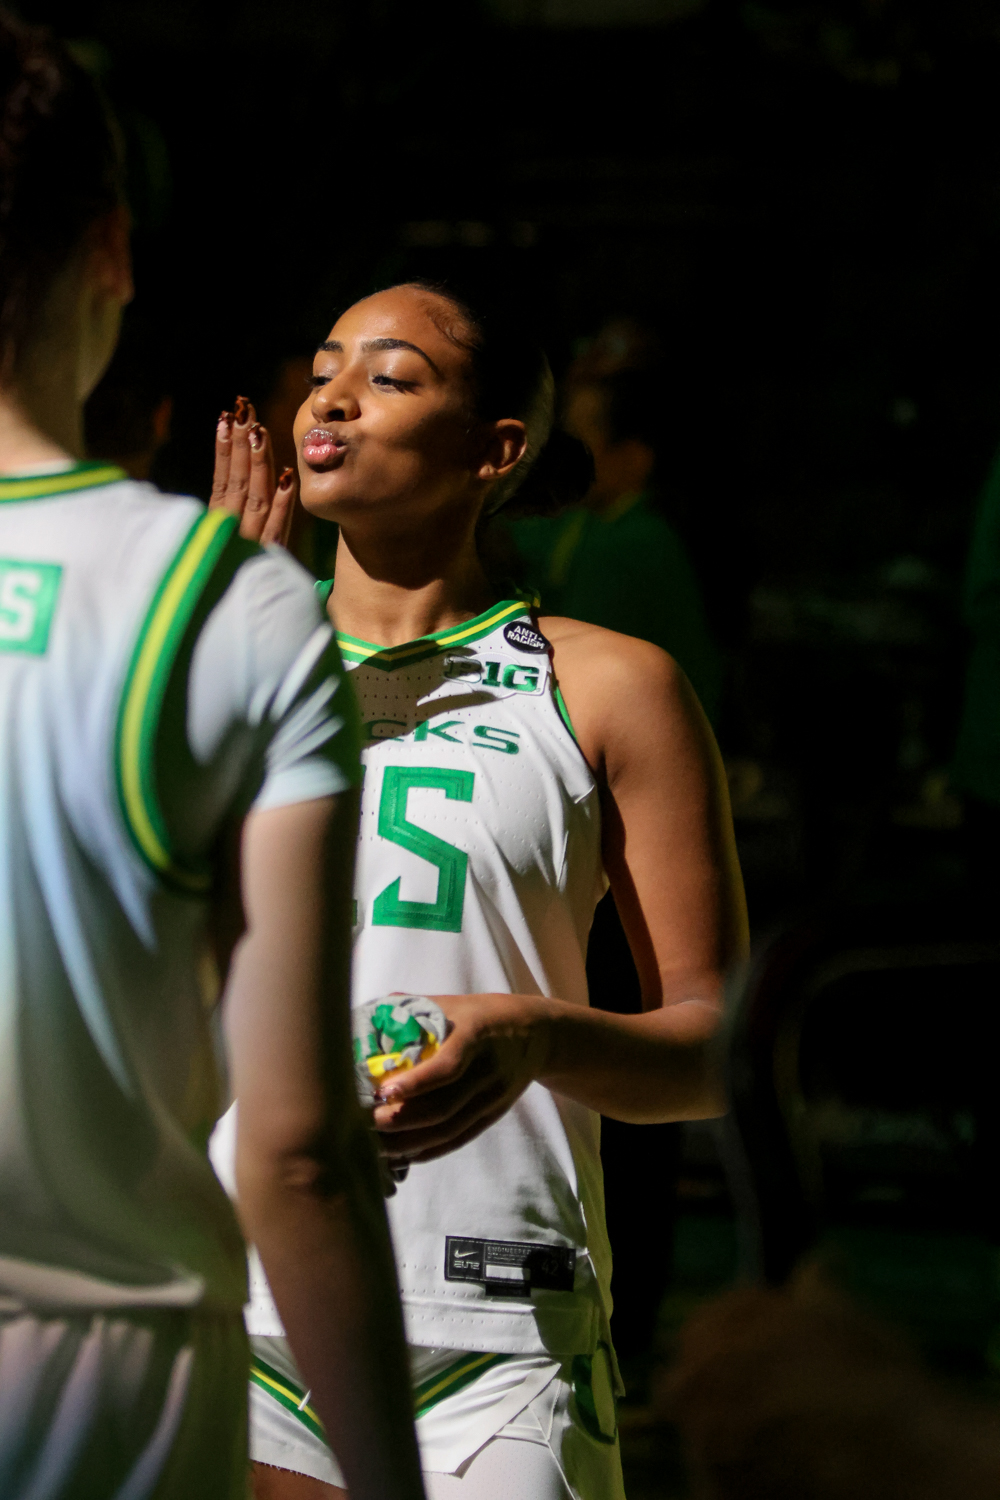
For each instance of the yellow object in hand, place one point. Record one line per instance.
(397, 1062)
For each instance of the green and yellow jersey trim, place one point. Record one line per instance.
(446, 1382)
(388, 658)
(156, 649)
(563, 710)
(83, 476)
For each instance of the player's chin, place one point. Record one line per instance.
(342, 495)
(325, 492)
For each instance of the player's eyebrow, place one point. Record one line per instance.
(373, 346)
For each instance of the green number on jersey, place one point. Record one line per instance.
(27, 602)
(444, 914)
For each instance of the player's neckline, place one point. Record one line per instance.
(82, 476)
(388, 658)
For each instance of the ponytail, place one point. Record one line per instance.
(560, 476)
(60, 169)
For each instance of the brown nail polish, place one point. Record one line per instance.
(256, 436)
(285, 479)
(227, 417)
(242, 408)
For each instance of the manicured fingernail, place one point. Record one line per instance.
(256, 436)
(285, 479)
(225, 422)
(242, 408)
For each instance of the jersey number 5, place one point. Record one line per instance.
(444, 914)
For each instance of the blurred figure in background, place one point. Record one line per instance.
(799, 1395)
(313, 541)
(278, 410)
(615, 560)
(977, 759)
(127, 419)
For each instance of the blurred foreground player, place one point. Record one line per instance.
(158, 677)
(510, 761)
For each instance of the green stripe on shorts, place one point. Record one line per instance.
(453, 1378)
(445, 1383)
(271, 1381)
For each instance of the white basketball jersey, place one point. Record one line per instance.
(479, 867)
(119, 609)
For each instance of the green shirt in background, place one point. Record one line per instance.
(626, 569)
(977, 757)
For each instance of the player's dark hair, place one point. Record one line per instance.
(60, 169)
(511, 378)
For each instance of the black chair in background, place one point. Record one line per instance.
(862, 1054)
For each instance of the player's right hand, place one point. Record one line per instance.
(243, 481)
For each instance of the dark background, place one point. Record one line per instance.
(802, 199)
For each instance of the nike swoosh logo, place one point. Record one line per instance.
(463, 1254)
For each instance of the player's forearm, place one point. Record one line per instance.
(662, 1065)
(321, 1232)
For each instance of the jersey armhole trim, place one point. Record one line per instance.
(563, 710)
(563, 713)
(153, 658)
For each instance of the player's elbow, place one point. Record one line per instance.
(297, 1153)
(695, 1075)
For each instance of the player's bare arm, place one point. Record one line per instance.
(308, 1183)
(670, 856)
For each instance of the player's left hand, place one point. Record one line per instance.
(496, 1046)
(243, 480)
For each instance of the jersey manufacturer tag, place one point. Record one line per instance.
(508, 1269)
(523, 638)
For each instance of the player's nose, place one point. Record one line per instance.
(337, 401)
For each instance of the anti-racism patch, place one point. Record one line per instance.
(523, 638)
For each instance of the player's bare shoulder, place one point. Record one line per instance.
(594, 664)
(602, 673)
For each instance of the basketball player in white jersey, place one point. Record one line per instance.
(159, 676)
(513, 765)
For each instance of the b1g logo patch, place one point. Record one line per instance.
(28, 593)
(523, 638)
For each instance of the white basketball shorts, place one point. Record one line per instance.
(488, 1425)
(148, 1405)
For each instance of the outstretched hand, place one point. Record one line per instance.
(243, 481)
(496, 1046)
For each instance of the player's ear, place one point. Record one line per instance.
(505, 447)
(109, 256)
